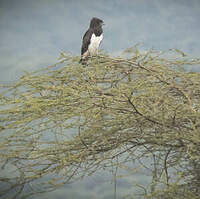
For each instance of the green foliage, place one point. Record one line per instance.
(67, 121)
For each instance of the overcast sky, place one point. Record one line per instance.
(33, 32)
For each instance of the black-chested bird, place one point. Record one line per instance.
(92, 39)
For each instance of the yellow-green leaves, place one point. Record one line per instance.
(68, 120)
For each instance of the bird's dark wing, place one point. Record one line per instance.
(86, 40)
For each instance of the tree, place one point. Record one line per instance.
(67, 121)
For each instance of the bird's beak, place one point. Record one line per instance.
(103, 24)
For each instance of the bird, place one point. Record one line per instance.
(92, 39)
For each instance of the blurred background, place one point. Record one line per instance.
(33, 33)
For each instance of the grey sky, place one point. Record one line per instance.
(33, 32)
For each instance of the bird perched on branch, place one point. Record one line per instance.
(92, 39)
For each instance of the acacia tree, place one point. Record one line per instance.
(67, 121)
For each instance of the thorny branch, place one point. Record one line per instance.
(67, 121)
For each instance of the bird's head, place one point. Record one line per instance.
(95, 22)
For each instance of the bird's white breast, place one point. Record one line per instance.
(94, 43)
